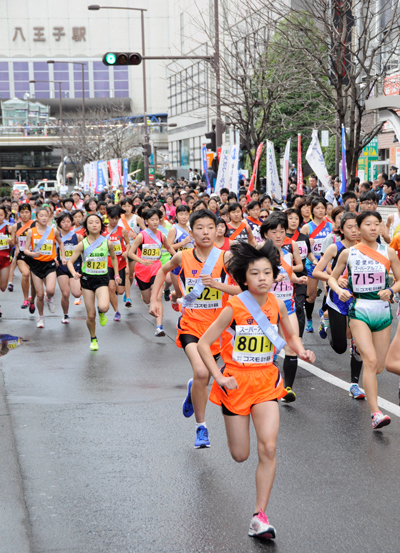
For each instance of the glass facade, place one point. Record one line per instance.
(4, 80)
(187, 90)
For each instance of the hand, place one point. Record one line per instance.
(314, 261)
(186, 240)
(280, 277)
(385, 295)
(132, 234)
(146, 262)
(155, 308)
(302, 280)
(35, 254)
(344, 295)
(228, 382)
(311, 241)
(208, 280)
(77, 276)
(64, 261)
(342, 282)
(125, 254)
(57, 263)
(308, 356)
(118, 279)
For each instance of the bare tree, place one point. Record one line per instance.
(344, 49)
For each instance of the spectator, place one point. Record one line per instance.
(389, 188)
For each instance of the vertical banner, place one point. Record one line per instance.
(125, 165)
(343, 184)
(93, 176)
(110, 170)
(86, 172)
(114, 173)
(285, 178)
(299, 167)
(223, 169)
(104, 169)
(234, 169)
(100, 182)
(119, 169)
(204, 159)
(273, 184)
(315, 158)
(255, 169)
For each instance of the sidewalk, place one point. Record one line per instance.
(13, 519)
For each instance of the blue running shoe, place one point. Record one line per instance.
(124, 297)
(309, 326)
(117, 316)
(187, 407)
(322, 331)
(321, 313)
(355, 392)
(202, 438)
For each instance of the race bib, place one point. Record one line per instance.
(252, 346)
(183, 248)
(96, 266)
(152, 253)
(117, 247)
(4, 245)
(209, 299)
(282, 290)
(47, 246)
(369, 281)
(303, 249)
(21, 243)
(317, 246)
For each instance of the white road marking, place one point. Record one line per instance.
(383, 403)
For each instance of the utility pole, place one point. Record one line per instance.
(146, 135)
(217, 69)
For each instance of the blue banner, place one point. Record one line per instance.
(125, 167)
(100, 178)
(204, 158)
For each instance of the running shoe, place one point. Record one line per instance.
(117, 316)
(202, 438)
(175, 306)
(355, 392)
(379, 420)
(102, 319)
(25, 304)
(290, 395)
(167, 294)
(40, 322)
(321, 313)
(124, 297)
(128, 303)
(77, 301)
(187, 406)
(261, 528)
(31, 305)
(10, 287)
(94, 346)
(309, 326)
(65, 320)
(354, 351)
(322, 331)
(159, 331)
(50, 304)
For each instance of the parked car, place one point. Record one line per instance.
(48, 186)
(21, 186)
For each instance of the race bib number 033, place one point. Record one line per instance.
(209, 299)
(252, 346)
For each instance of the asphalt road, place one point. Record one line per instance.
(97, 457)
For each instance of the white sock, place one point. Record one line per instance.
(200, 424)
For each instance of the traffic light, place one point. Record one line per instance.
(212, 137)
(146, 149)
(122, 58)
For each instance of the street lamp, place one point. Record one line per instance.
(96, 7)
(61, 127)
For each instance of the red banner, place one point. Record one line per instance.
(299, 168)
(255, 168)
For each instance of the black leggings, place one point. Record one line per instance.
(300, 298)
(338, 338)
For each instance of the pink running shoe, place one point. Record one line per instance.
(379, 420)
(25, 304)
(261, 528)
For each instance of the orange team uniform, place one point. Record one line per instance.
(248, 356)
(206, 308)
(395, 244)
(48, 249)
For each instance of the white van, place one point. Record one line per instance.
(47, 185)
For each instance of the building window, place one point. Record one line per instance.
(41, 75)
(4, 80)
(121, 82)
(61, 74)
(21, 78)
(101, 80)
(78, 81)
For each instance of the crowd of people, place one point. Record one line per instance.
(242, 271)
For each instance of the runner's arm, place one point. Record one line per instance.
(133, 249)
(251, 239)
(125, 237)
(167, 245)
(114, 261)
(27, 251)
(140, 223)
(386, 294)
(155, 302)
(204, 348)
(292, 340)
(74, 257)
(61, 246)
(13, 241)
(343, 294)
(385, 232)
(318, 272)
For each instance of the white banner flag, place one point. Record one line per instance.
(316, 160)
(104, 168)
(223, 169)
(286, 160)
(86, 177)
(114, 173)
(234, 169)
(93, 176)
(273, 184)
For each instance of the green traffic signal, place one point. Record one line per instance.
(110, 58)
(122, 58)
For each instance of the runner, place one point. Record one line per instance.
(119, 238)
(149, 242)
(370, 316)
(274, 229)
(316, 230)
(165, 227)
(249, 383)
(203, 282)
(238, 229)
(6, 244)
(18, 236)
(253, 218)
(222, 242)
(68, 285)
(94, 278)
(180, 239)
(335, 319)
(40, 247)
